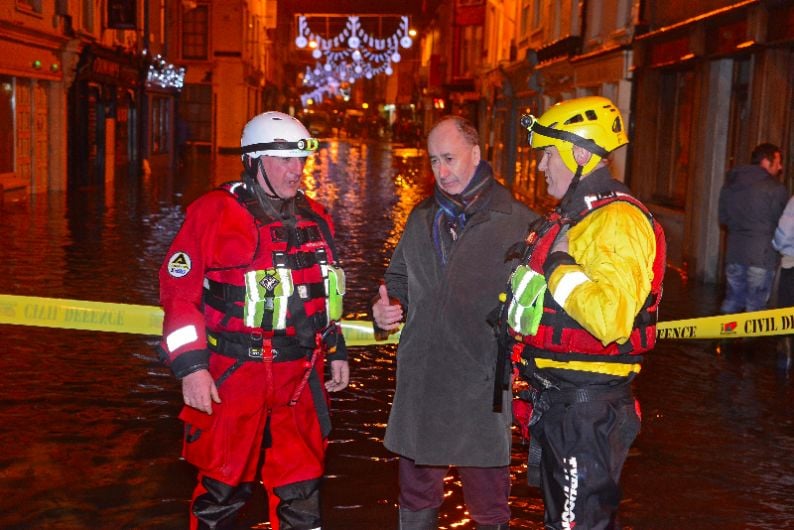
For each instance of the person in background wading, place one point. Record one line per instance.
(582, 310)
(751, 203)
(252, 295)
(443, 279)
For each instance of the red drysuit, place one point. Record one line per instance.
(246, 296)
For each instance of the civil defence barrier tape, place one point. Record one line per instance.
(148, 320)
(125, 318)
(768, 322)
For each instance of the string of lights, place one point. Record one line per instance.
(164, 74)
(349, 55)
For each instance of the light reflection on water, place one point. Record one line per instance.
(88, 426)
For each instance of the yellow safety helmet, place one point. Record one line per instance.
(591, 122)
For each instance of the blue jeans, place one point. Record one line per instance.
(747, 288)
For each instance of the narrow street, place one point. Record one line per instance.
(88, 420)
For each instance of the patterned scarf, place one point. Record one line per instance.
(455, 210)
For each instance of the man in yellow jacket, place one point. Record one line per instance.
(582, 311)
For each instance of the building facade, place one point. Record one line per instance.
(35, 66)
(699, 84)
(76, 95)
(711, 81)
(232, 73)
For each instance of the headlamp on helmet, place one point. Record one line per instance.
(593, 123)
(276, 134)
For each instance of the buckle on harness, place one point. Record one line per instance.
(255, 348)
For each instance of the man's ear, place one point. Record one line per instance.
(581, 155)
(476, 154)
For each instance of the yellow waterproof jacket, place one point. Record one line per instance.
(599, 311)
(614, 249)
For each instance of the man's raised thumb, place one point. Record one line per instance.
(384, 294)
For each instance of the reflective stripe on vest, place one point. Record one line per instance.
(275, 287)
(558, 333)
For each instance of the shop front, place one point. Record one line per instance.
(104, 115)
(31, 105)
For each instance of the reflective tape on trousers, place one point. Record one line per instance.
(148, 320)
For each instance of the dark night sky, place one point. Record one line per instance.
(412, 8)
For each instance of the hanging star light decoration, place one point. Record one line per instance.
(349, 55)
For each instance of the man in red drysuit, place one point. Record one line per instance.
(252, 295)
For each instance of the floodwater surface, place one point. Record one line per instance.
(88, 425)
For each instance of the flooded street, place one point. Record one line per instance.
(88, 426)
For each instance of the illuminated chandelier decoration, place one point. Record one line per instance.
(163, 74)
(350, 55)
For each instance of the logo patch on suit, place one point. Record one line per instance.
(270, 281)
(179, 264)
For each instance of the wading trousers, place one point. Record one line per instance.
(255, 429)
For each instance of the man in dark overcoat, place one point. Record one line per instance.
(444, 280)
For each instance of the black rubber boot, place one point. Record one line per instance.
(504, 526)
(426, 519)
(299, 505)
(217, 508)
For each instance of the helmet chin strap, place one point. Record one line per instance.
(252, 168)
(261, 168)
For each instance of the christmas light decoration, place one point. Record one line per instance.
(164, 74)
(351, 54)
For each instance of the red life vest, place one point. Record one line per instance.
(304, 248)
(560, 333)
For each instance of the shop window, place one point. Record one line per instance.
(674, 133)
(471, 50)
(196, 102)
(556, 22)
(614, 16)
(525, 19)
(6, 124)
(623, 14)
(739, 131)
(88, 15)
(122, 14)
(161, 125)
(594, 31)
(195, 33)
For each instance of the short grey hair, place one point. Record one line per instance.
(463, 126)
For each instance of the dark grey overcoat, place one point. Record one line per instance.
(446, 360)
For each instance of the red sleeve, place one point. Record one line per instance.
(197, 246)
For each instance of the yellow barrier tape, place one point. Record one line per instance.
(764, 323)
(148, 320)
(126, 318)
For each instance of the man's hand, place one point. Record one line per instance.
(340, 376)
(387, 315)
(199, 391)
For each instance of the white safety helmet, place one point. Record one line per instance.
(276, 134)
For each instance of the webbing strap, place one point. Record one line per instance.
(569, 137)
(240, 346)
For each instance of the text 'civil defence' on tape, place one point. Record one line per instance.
(126, 318)
(148, 320)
